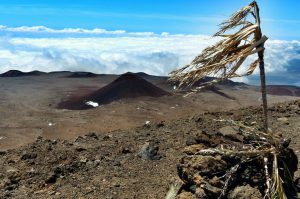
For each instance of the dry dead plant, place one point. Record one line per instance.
(223, 59)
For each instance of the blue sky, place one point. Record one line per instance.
(157, 36)
(281, 18)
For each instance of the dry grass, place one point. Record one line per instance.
(223, 59)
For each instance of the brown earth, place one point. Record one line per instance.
(136, 163)
(28, 106)
(283, 90)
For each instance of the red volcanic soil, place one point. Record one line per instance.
(283, 90)
(17, 73)
(128, 85)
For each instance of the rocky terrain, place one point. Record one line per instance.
(136, 163)
(29, 101)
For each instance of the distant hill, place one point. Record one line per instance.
(17, 73)
(284, 90)
(82, 75)
(128, 85)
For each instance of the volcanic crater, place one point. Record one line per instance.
(128, 85)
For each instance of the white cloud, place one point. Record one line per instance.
(43, 29)
(118, 51)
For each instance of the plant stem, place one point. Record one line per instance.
(263, 89)
(258, 35)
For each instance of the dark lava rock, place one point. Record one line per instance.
(126, 150)
(92, 135)
(191, 166)
(191, 141)
(149, 151)
(210, 140)
(211, 191)
(231, 133)
(26, 155)
(160, 124)
(51, 179)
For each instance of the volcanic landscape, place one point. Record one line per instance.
(102, 115)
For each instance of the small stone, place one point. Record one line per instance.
(190, 166)
(211, 191)
(11, 170)
(92, 135)
(215, 181)
(51, 192)
(80, 148)
(190, 141)
(283, 120)
(51, 179)
(117, 163)
(160, 124)
(126, 150)
(107, 137)
(26, 155)
(200, 193)
(149, 151)
(190, 150)
(244, 192)
(231, 133)
(83, 160)
(79, 139)
(186, 195)
(97, 162)
(198, 179)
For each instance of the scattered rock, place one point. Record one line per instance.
(284, 120)
(232, 133)
(107, 137)
(191, 141)
(192, 149)
(215, 181)
(211, 191)
(203, 138)
(149, 151)
(147, 124)
(160, 124)
(92, 135)
(186, 195)
(200, 193)
(51, 179)
(245, 192)
(80, 148)
(191, 166)
(80, 139)
(126, 150)
(26, 155)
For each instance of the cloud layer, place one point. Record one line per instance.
(103, 51)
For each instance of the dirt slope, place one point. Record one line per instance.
(108, 165)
